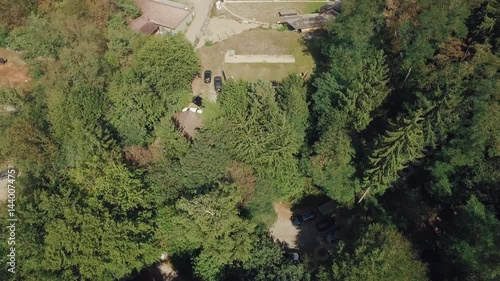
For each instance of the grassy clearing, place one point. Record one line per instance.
(259, 41)
(268, 12)
(260, 209)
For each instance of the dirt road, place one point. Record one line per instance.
(201, 13)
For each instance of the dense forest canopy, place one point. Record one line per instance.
(399, 124)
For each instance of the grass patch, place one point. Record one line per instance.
(260, 209)
(209, 43)
(268, 12)
(282, 28)
(258, 41)
(312, 7)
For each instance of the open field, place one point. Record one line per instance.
(255, 42)
(268, 12)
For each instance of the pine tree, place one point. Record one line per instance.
(356, 85)
(332, 163)
(393, 152)
(442, 114)
(491, 20)
(292, 100)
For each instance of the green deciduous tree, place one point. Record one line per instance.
(27, 146)
(37, 38)
(129, 7)
(155, 85)
(94, 222)
(158, 66)
(268, 262)
(381, 253)
(120, 40)
(210, 223)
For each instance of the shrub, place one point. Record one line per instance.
(129, 7)
(209, 43)
(3, 36)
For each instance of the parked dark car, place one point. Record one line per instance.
(325, 224)
(300, 219)
(207, 76)
(218, 83)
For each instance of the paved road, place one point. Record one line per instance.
(201, 13)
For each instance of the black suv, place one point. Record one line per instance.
(207, 76)
(218, 83)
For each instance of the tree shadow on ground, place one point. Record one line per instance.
(311, 241)
(312, 44)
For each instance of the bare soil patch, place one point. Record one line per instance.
(3, 190)
(143, 156)
(15, 71)
(282, 229)
(168, 271)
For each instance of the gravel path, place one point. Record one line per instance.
(218, 29)
(201, 14)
